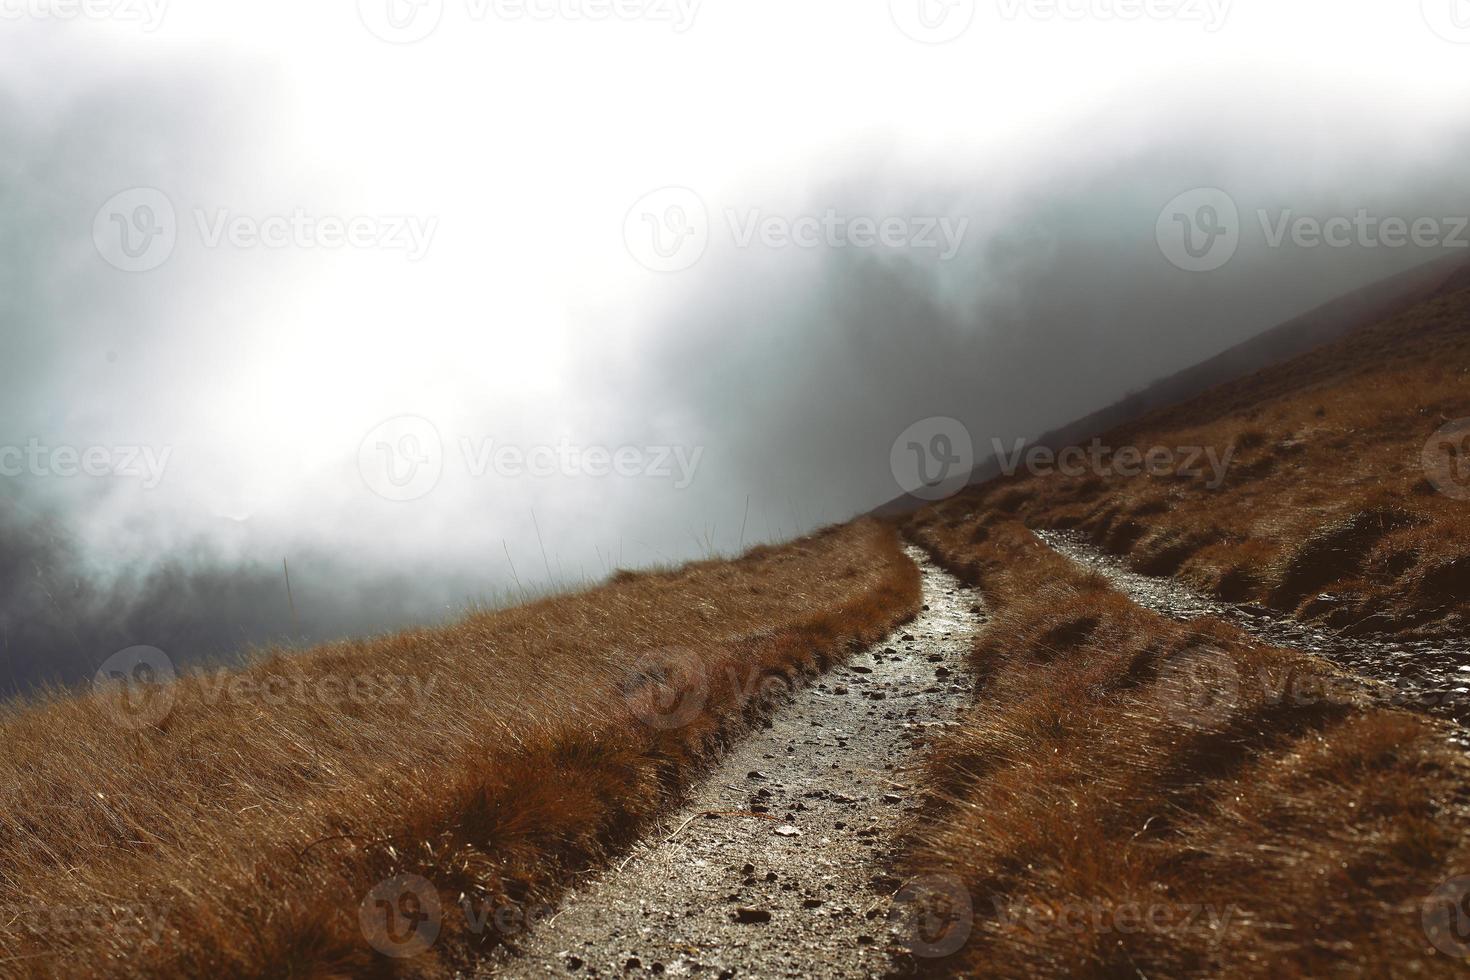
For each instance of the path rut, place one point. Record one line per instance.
(1428, 676)
(721, 889)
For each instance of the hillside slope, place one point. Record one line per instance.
(1342, 491)
(234, 823)
(1139, 795)
(1316, 328)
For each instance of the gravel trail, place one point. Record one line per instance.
(1423, 675)
(774, 868)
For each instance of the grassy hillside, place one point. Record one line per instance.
(1345, 500)
(236, 824)
(1110, 821)
(1107, 820)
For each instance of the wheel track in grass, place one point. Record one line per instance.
(1420, 675)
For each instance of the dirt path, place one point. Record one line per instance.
(1421, 675)
(799, 890)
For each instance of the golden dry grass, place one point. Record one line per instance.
(1118, 763)
(238, 835)
(1327, 509)
(1131, 797)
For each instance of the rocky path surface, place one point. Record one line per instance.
(1422, 675)
(774, 866)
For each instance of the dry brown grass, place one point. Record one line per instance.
(249, 828)
(1326, 510)
(1131, 797)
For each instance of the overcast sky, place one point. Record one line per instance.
(408, 292)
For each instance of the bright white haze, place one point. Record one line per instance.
(517, 146)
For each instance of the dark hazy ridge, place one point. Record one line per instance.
(1328, 322)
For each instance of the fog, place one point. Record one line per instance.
(529, 299)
